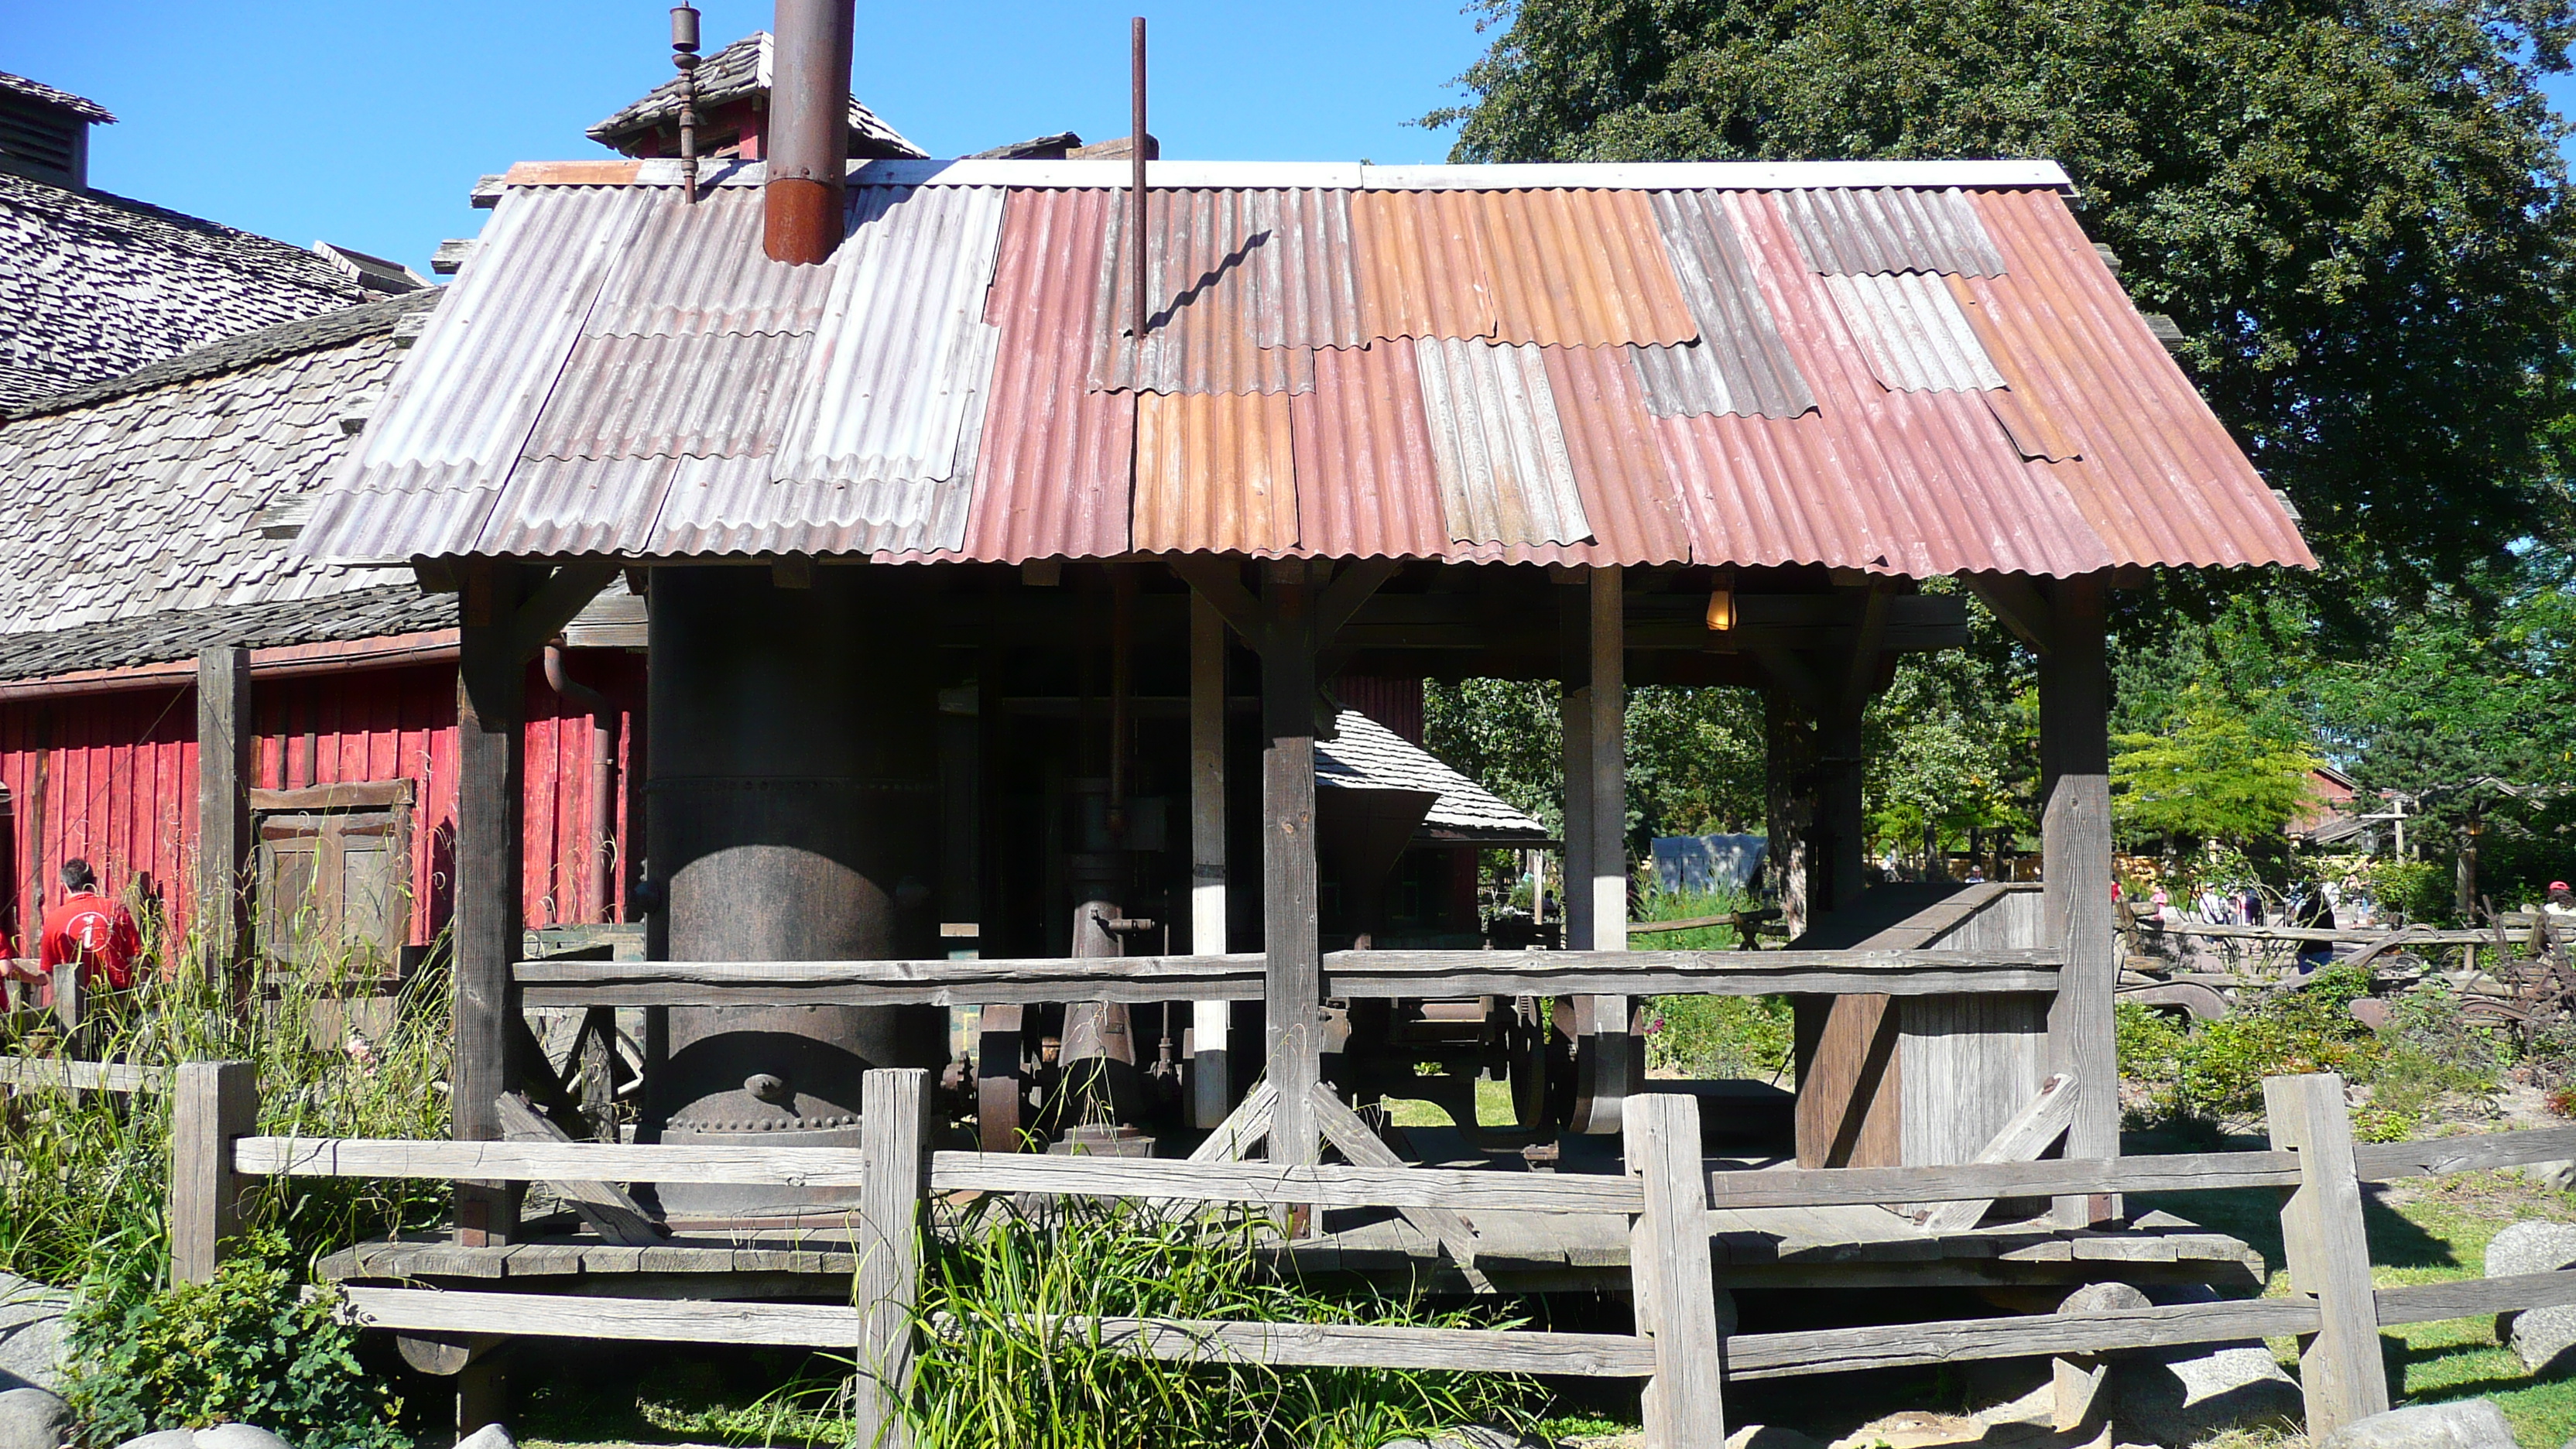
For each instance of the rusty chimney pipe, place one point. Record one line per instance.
(1136, 205)
(809, 130)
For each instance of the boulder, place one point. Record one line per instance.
(2541, 1337)
(2184, 1396)
(1769, 1436)
(1472, 1436)
(31, 1418)
(31, 1333)
(163, 1439)
(238, 1436)
(490, 1436)
(2558, 1176)
(2462, 1424)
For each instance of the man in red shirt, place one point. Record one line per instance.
(91, 929)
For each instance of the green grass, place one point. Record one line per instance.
(1493, 1109)
(2436, 1231)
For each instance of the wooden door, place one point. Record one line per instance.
(334, 875)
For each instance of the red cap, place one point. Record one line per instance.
(2558, 885)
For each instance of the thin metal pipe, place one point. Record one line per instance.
(1136, 197)
(684, 54)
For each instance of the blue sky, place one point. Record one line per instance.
(365, 122)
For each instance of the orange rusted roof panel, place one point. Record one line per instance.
(1215, 473)
(1581, 269)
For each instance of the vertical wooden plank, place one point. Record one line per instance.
(490, 700)
(1208, 1019)
(211, 1105)
(1608, 745)
(894, 1178)
(2321, 1234)
(224, 738)
(1292, 996)
(1668, 1263)
(2075, 843)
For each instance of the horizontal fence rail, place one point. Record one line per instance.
(1239, 977)
(55, 1074)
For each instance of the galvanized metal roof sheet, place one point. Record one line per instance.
(1740, 364)
(903, 352)
(1497, 444)
(1240, 285)
(1855, 231)
(465, 401)
(698, 269)
(695, 394)
(1912, 328)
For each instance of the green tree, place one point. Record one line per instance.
(2356, 209)
(2214, 773)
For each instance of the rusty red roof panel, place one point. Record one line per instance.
(1052, 473)
(1240, 285)
(2160, 480)
(1581, 269)
(1363, 454)
(1422, 265)
(1215, 473)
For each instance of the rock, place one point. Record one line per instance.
(31, 1333)
(2183, 1396)
(239, 1436)
(1472, 1436)
(1769, 1436)
(163, 1439)
(490, 1436)
(2541, 1337)
(2462, 1424)
(31, 1418)
(2558, 1176)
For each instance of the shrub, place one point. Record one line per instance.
(247, 1348)
(2419, 890)
(2215, 1070)
(1720, 1036)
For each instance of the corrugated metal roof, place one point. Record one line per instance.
(700, 394)
(1497, 444)
(1367, 488)
(1215, 472)
(1580, 269)
(1916, 336)
(1053, 478)
(1852, 231)
(1796, 432)
(1240, 284)
(903, 352)
(1740, 364)
(465, 401)
(2160, 482)
(701, 269)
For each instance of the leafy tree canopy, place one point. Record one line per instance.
(2355, 209)
(2214, 773)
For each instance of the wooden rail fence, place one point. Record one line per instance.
(1668, 1191)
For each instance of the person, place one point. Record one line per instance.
(2561, 901)
(92, 930)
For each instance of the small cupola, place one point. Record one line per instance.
(44, 133)
(733, 113)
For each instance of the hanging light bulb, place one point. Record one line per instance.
(1721, 604)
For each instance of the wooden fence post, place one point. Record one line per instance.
(894, 1179)
(1673, 1283)
(212, 1103)
(2321, 1233)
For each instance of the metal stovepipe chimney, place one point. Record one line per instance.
(809, 130)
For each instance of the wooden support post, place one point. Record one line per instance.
(1292, 998)
(1668, 1265)
(1575, 718)
(1209, 1063)
(490, 701)
(225, 735)
(212, 1104)
(1789, 806)
(2340, 1374)
(1609, 761)
(70, 1012)
(2075, 843)
(894, 1179)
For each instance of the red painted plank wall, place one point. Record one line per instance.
(118, 775)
